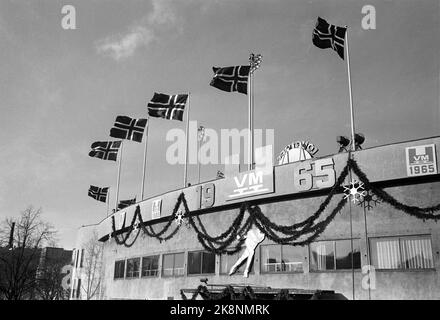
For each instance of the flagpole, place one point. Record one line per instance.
(145, 159)
(250, 118)
(119, 177)
(353, 148)
(185, 176)
(107, 200)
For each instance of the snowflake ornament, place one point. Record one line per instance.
(356, 190)
(368, 201)
(180, 218)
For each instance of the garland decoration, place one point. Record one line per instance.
(297, 234)
(427, 213)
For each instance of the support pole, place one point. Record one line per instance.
(145, 159)
(107, 200)
(185, 177)
(250, 120)
(353, 148)
(119, 176)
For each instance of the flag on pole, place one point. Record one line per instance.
(326, 35)
(105, 150)
(128, 128)
(231, 78)
(125, 203)
(99, 194)
(167, 106)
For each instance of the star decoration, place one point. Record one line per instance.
(368, 201)
(356, 190)
(136, 225)
(180, 218)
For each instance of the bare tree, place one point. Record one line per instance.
(92, 267)
(50, 275)
(18, 265)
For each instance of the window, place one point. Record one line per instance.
(279, 258)
(227, 261)
(133, 266)
(408, 252)
(119, 269)
(334, 255)
(82, 258)
(172, 264)
(78, 289)
(150, 266)
(200, 262)
(76, 258)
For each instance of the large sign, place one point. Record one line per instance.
(255, 182)
(421, 160)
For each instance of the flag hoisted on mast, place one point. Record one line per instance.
(254, 64)
(145, 160)
(119, 176)
(185, 175)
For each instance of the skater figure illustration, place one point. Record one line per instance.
(253, 237)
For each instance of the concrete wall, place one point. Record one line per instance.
(287, 205)
(382, 220)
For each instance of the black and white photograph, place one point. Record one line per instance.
(220, 155)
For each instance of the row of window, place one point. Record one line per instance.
(409, 252)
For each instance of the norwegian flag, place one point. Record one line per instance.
(105, 150)
(128, 128)
(231, 78)
(329, 36)
(167, 106)
(125, 203)
(98, 193)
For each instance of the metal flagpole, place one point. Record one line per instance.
(185, 177)
(108, 199)
(145, 159)
(119, 176)
(250, 124)
(353, 148)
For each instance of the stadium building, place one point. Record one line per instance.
(381, 243)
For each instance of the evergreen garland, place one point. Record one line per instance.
(308, 230)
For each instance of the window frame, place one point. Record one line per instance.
(123, 271)
(262, 271)
(312, 270)
(201, 263)
(158, 266)
(174, 265)
(139, 270)
(401, 262)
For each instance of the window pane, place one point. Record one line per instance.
(194, 262)
(385, 253)
(178, 264)
(208, 262)
(343, 254)
(119, 269)
(168, 264)
(292, 259)
(227, 261)
(322, 255)
(150, 266)
(416, 252)
(271, 258)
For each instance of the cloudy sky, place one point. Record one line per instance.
(60, 90)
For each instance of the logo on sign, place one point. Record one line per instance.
(421, 160)
(249, 184)
(156, 208)
(255, 182)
